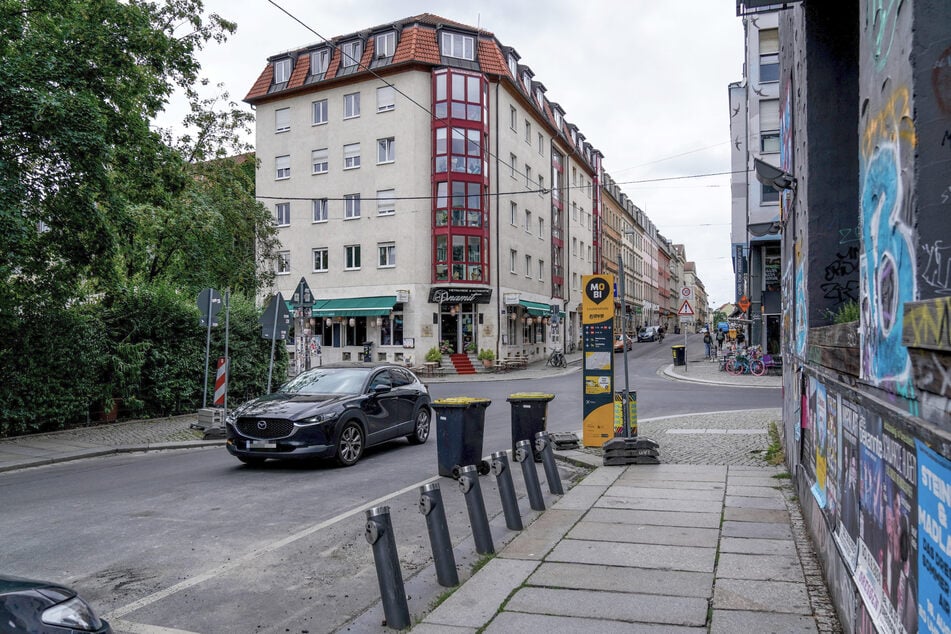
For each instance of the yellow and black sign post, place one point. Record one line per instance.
(597, 323)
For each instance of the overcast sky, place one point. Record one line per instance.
(644, 80)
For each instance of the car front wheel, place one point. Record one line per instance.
(421, 425)
(349, 444)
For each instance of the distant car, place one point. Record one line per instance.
(648, 333)
(620, 341)
(333, 411)
(27, 605)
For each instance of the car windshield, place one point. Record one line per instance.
(327, 381)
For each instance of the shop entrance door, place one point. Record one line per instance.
(457, 326)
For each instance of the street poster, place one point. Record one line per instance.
(934, 540)
(597, 323)
(852, 418)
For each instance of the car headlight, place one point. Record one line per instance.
(323, 417)
(74, 613)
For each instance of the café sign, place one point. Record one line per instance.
(461, 295)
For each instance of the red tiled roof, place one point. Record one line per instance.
(259, 89)
(417, 43)
(300, 71)
(491, 59)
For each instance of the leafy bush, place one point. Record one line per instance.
(486, 354)
(433, 354)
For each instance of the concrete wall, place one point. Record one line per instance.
(866, 129)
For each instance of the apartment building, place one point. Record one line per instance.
(428, 191)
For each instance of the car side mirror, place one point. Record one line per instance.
(380, 389)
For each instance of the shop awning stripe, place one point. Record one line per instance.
(355, 306)
(535, 309)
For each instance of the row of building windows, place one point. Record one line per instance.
(352, 207)
(320, 158)
(529, 269)
(352, 254)
(319, 114)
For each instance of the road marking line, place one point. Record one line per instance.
(143, 628)
(236, 563)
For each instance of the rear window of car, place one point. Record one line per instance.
(401, 377)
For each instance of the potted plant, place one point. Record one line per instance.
(487, 356)
(434, 355)
(445, 347)
(471, 347)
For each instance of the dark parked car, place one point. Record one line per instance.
(333, 411)
(40, 607)
(647, 333)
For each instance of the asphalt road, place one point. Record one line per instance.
(193, 541)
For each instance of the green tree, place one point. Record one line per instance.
(79, 82)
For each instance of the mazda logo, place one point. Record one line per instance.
(262, 425)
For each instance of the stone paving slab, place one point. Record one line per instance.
(671, 485)
(635, 503)
(734, 621)
(774, 491)
(581, 497)
(475, 602)
(619, 578)
(762, 596)
(736, 514)
(656, 518)
(627, 490)
(541, 536)
(767, 503)
(756, 481)
(760, 530)
(646, 534)
(429, 628)
(675, 472)
(749, 546)
(687, 558)
(765, 567)
(636, 608)
(605, 476)
(508, 622)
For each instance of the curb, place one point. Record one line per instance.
(95, 453)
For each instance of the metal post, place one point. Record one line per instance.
(481, 533)
(227, 358)
(543, 444)
(379, 534)
(431, 506)
(627, 381)
(503, 478)
(204, 395)
(523, 454)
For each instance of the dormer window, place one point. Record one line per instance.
(319, 61)
(458, 46)
(526, 81)
(513, 66)
(351, 52)
(385, 45)
(282, 70)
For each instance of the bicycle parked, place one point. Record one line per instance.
(557, 359)
(747, 362)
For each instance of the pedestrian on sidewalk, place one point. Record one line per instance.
(720, 338)
(707, 340)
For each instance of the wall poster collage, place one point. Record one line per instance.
(887, 498)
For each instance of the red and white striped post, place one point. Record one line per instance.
(221, 382)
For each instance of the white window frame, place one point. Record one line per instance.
(351, 105)
(318, 112)
(388, 48)
(385, 202)
(513, 118)
(319, 61)
(282, 120)
(282, 167)
(541, 185)
(320, 161)
(385, 150)
(386, 255)
(282, 214)
(385, 98)
(541, 228)
(319, 210)
(513, 259)
(514, 160)
(528, 131)
(351, 156)
(541, 270)
(513, 219)
(324, 256)
(282, 265)
(351, 257)
(529, 267)
(351, 206)
(457, 45)
(528, 221)
(350, 53)
(541, 144)
(282, 70)
(528, 176)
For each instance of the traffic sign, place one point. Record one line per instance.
(276, 320)
(686, 292)
(209, 303)
(685, 309)
(302, 297)
(744, 303)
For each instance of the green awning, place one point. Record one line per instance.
(355, 306)
(535, 309)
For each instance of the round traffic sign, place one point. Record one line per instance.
(686, 292)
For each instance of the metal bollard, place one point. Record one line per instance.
(430, 505)
(523, 454)
(379, 533)
(481, 533)
(503, 477)
(543, 445)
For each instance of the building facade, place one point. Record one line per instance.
(754, 131)
(428, 191)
